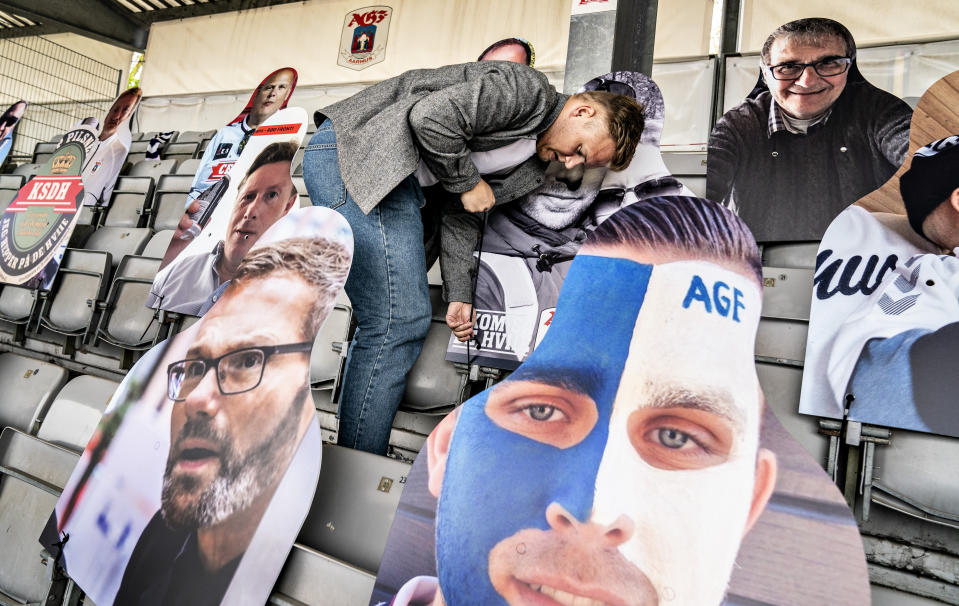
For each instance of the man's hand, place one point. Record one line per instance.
(460, 317)
(478, 199)
(182, 231)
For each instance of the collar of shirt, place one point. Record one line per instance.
(777, 122)
(217, 253)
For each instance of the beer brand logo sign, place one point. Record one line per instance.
(363, 39)
(42, 215)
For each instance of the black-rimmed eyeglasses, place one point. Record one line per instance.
(236, 371)
(830, 66)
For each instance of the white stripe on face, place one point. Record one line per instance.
(684, 432)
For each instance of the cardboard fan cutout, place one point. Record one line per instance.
(36, 227)
(630, 459)
(270, 96)
(809, 139)
(226, 220)
(529, 244)
(8, 123)
(884, 319)
(104, 164)
(204, 466)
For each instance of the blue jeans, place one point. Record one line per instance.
(387, 288)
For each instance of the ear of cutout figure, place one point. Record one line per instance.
(202, 470)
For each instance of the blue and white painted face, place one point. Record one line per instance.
(618, 464)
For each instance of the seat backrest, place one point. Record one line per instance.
(781, 385)
(433, 382)
(787, 293)
(174, 183)
(128, 322)
(68, 310)
(16, 302)
(168, 209)
(43, 150)
(153, 168)
(14, 182)
(188, 167)
(324, 362)
(119, 241)
(76, 411)
(158, 244)
(29, 387)
(357, 494)
(343, 585)
(24, 509)
(180, 151)
(139, 147)
(193, 136)
(798, 255)
(6, 197)
(27, 170)
(126, 209)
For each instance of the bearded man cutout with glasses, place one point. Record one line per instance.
(241, 406)
(813, 136)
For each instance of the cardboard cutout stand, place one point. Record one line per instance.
(884, 305)
(197, 480)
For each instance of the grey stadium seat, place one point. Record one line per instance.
(357, 494)
(9, 186)
(83, 276)
(798, 255)
(158, 244)
(131, 196)
(297, 164)
(153, 168)
(139, 147)
(188, 167)
(119, 241)
(126, 321)
(326, 364)
(76, 411)
(17, 306)
(180, 151)
(29, 387)
(343, 584)
(689, 168)
(27, 170)
(32, 475)
(169, 201)
(433, 384)
(193, 136)
(43, 150)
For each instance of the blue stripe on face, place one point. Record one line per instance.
(498, 482)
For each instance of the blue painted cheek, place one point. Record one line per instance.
(498, 482)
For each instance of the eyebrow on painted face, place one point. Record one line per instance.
(577, 379)
(716, 401)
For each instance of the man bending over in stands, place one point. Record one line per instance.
(485, 131)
